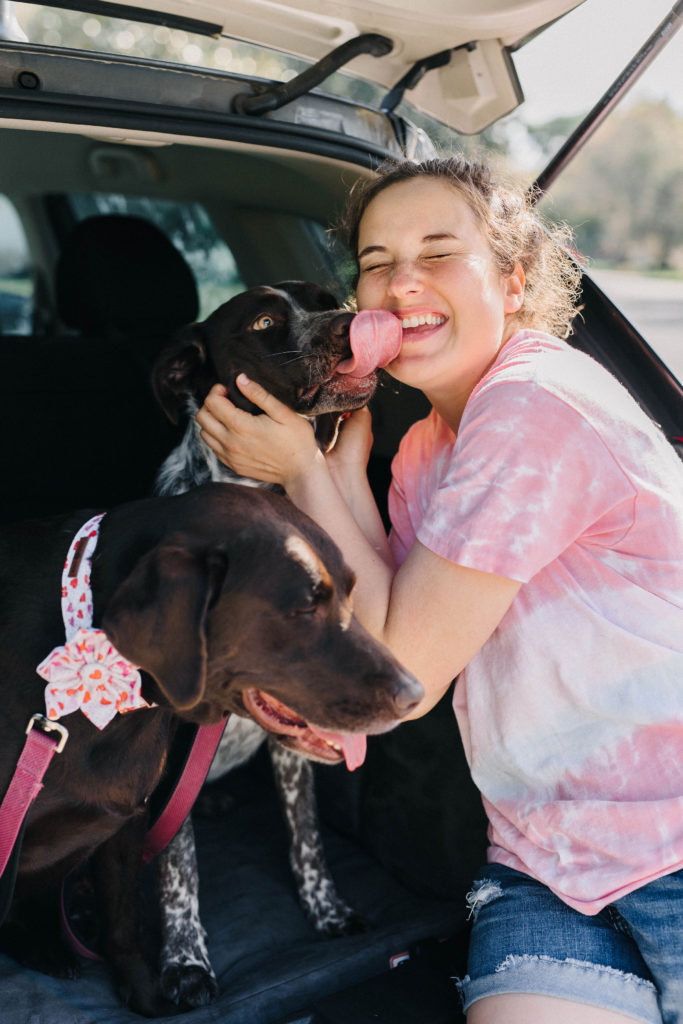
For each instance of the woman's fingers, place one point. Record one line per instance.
(274, 447)
(257, 394)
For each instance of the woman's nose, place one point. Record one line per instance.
(405, 279)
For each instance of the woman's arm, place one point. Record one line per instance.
(434, 615)
(347, 463)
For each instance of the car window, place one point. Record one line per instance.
(189, 228)
(16, 274)
(55, 26)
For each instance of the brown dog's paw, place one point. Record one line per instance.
(139, 988)
(188, 985)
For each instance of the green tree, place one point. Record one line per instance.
(623, 194)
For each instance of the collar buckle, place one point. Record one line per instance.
(46, 726)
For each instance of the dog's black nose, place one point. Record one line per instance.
(339, 327)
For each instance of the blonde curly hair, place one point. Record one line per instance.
(515, 232)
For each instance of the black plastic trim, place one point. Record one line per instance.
(604, 333)
(176, 121)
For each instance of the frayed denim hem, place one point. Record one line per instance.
(576, 980)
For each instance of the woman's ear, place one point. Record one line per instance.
(513, 286)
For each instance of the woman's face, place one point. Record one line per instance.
(423, 257)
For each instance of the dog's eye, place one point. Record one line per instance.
(263, 322)
(305, 609)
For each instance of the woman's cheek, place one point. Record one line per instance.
(369, 295)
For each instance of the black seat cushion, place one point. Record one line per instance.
(268, 960)
(123, 273)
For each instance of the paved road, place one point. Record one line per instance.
(654, 306)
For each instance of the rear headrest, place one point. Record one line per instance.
(123, 272)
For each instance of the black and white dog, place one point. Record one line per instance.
(290, 338)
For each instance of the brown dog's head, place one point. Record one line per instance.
(290, 338)
(245, 606)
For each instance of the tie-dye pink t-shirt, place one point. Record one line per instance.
(572, 712)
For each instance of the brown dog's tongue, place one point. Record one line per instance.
(375, 338)
(353, 745)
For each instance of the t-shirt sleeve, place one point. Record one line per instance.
(528, 476)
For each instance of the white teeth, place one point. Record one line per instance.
(335, 746)
(430, 319)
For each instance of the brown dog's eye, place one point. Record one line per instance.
(262, 323)
(304, 609)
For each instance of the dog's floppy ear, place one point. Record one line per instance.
(157, 618)
(178, 370)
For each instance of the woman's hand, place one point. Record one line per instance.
(277, 448)
(352, 448)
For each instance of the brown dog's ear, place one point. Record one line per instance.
(157, 618)
(178, 370)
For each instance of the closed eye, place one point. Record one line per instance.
(372, 267)
(318, 597)
(307, 607)
(307, 610)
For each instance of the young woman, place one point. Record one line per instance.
(537, 552)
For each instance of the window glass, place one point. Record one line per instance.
(189, 228)
(334, 264)
(53, 26)
(16, 276)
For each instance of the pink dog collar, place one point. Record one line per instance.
(87, 672)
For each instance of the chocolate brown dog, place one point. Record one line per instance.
(225, 597)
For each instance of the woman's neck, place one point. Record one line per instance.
(450, 400)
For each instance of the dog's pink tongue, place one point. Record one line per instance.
(353, 745)
(375, 338)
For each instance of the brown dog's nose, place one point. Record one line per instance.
(408, 693)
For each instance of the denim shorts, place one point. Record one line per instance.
(628, 958)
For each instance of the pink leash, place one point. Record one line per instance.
(173, 815)
(44, 739)
(185, 793)
(47, 737)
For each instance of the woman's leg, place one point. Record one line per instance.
(534, 960)
(654, 915)
(519, 1008)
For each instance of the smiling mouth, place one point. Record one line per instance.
(319, 744)
(422, 320)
